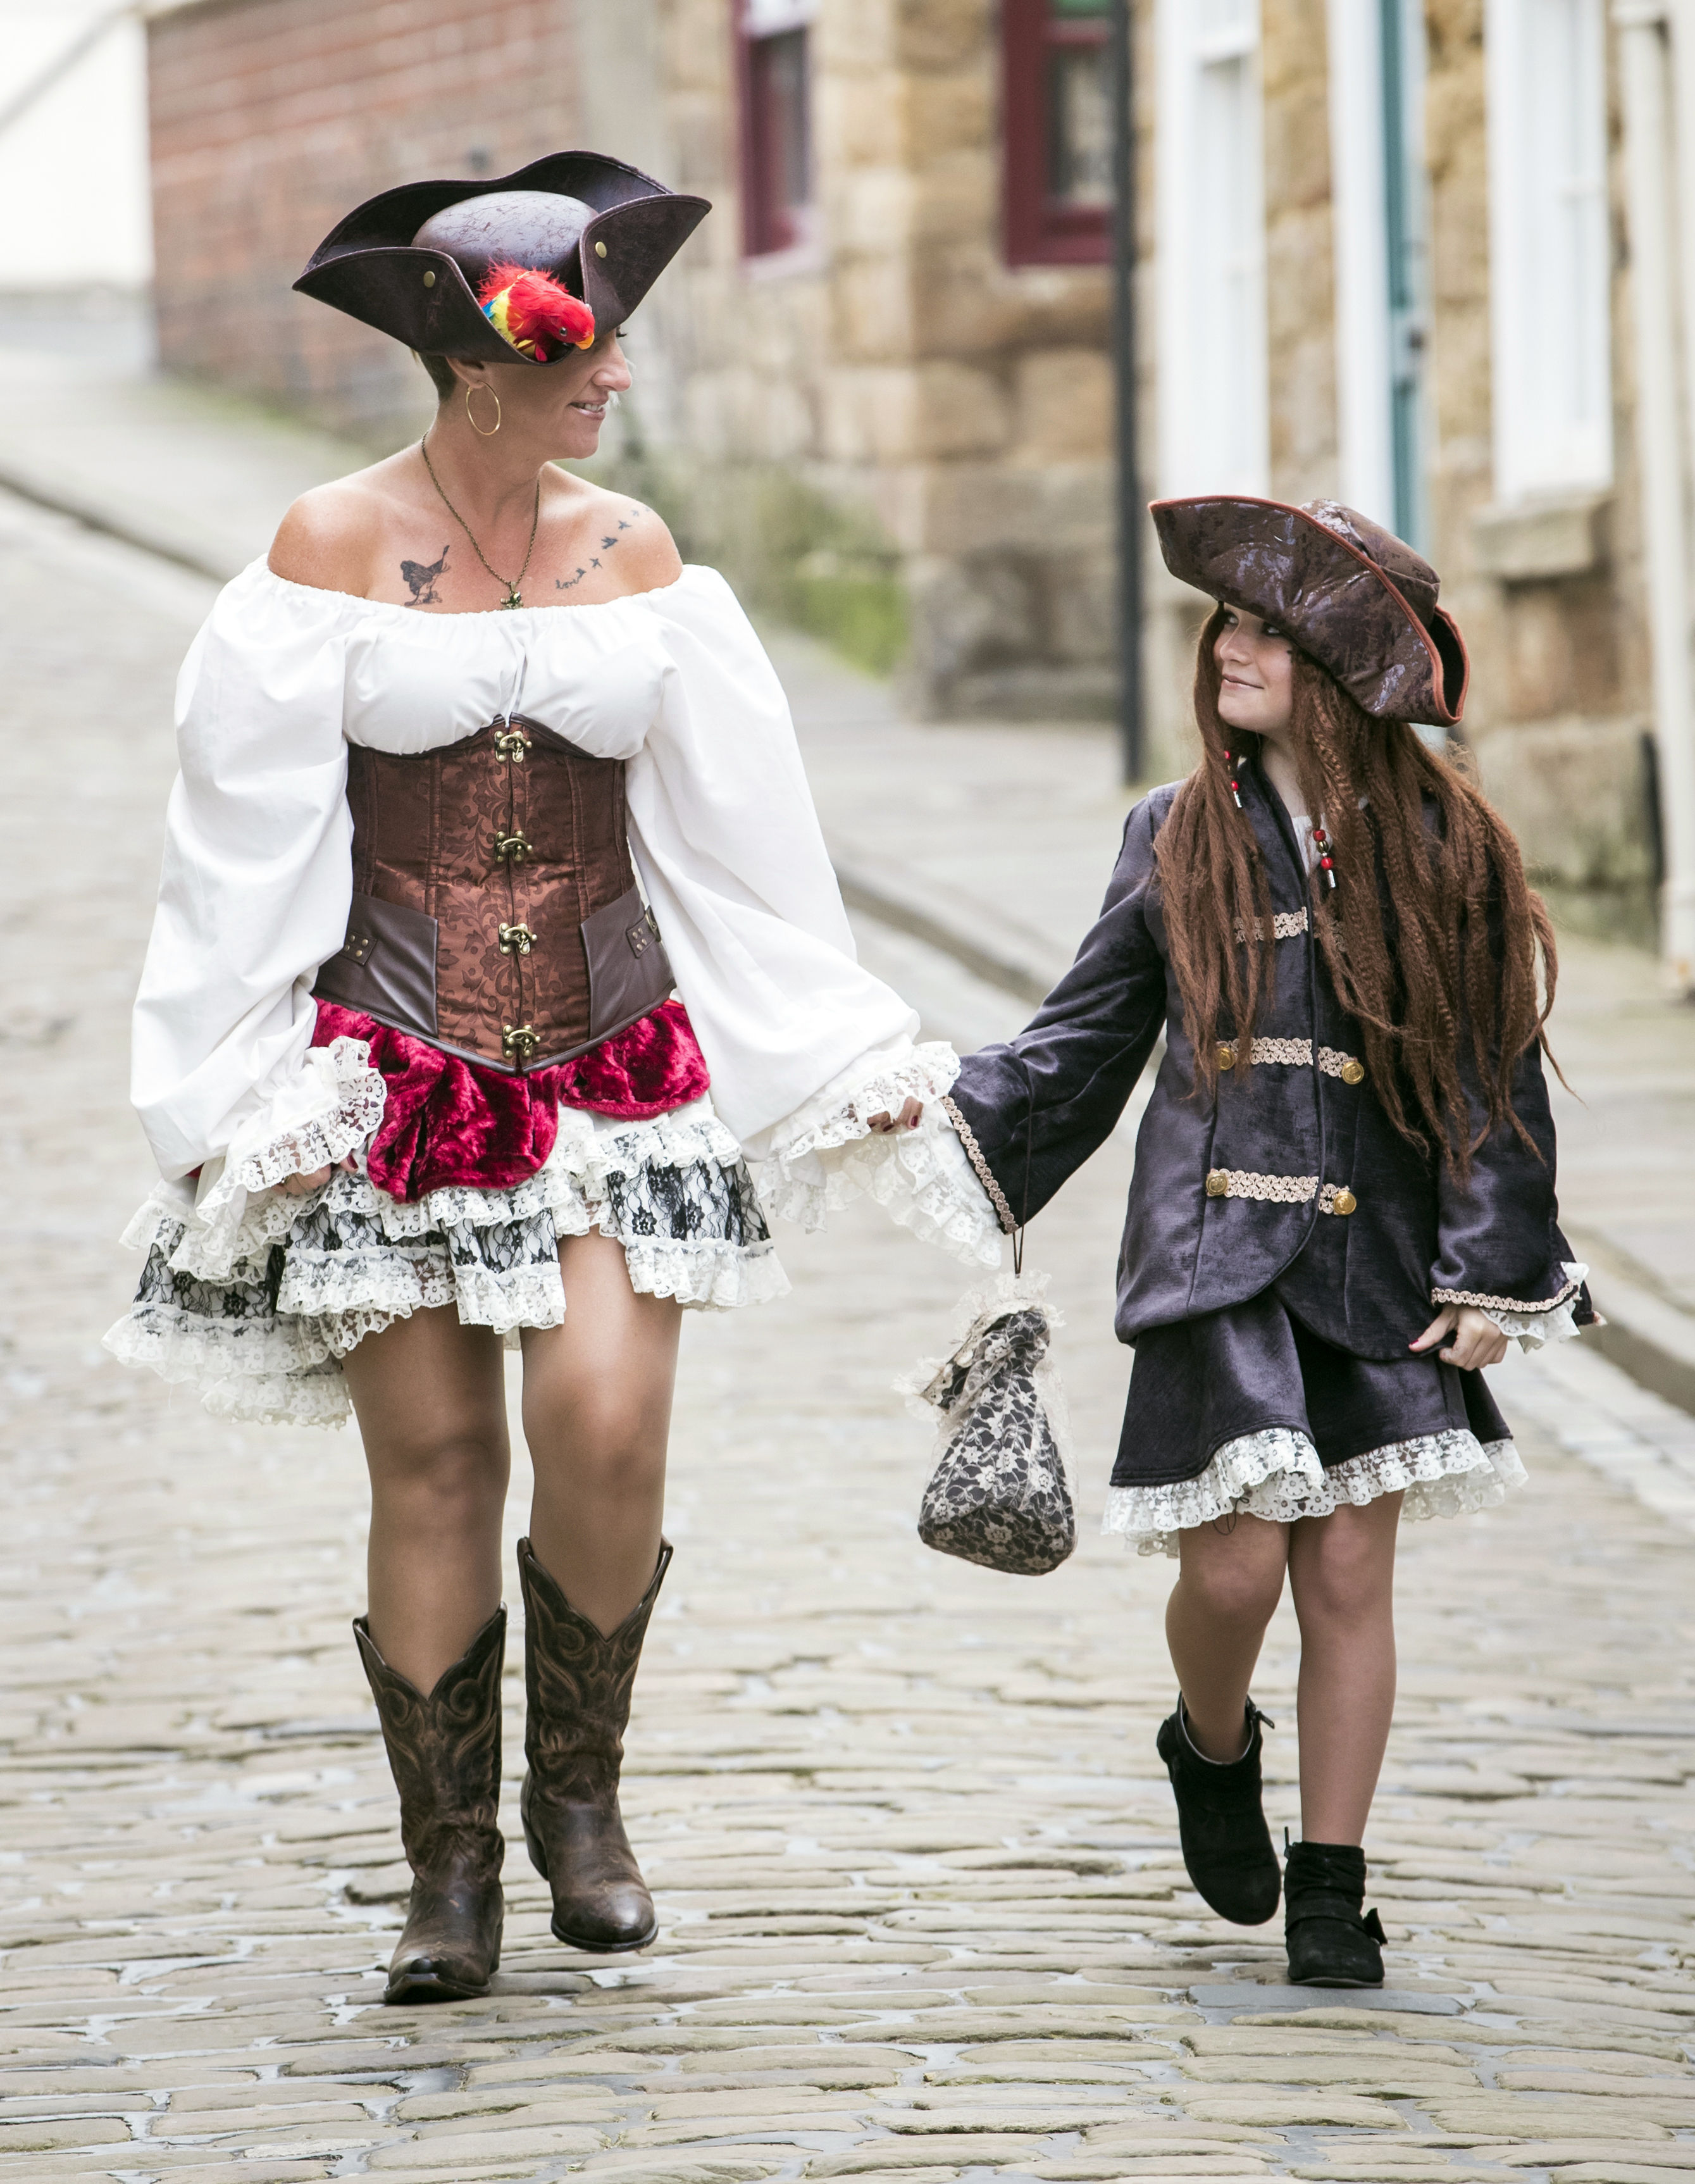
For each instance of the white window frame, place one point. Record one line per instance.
(1364, 445)
(1195, 373)
(1543, 446)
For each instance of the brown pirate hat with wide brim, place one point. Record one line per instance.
(408, 261)
(1350, 594)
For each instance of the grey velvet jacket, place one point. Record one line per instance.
(1293, 1175)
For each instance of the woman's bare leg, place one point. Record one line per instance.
(430, 1400)
(1341, 1573)
(1230, 1580)
(597, 1417)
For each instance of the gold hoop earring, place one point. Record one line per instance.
(482, 387)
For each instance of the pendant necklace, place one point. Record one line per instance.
(513, 597)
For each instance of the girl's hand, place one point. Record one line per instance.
(298, 1186)
(911, 1113)
(1477, 1338)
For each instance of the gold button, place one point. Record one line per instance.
(430, 280)
(1218, 1184)
(1353, 1072)
(1227, 1055)
(600, 250)
(1344, 1202)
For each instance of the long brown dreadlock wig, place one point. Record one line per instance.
(1432, 936)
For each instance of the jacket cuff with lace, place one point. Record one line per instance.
(1533, 1324)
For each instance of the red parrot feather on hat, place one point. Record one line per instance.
(532, 311)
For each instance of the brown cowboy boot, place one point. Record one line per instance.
(578, 1684)
(445, 1754)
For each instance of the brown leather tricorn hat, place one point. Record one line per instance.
(1352, 596)
(408, 261)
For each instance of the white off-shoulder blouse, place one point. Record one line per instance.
(804, 1044)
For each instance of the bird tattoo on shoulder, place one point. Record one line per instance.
(420, 579)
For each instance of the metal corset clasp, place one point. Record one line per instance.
(514, 848)
(519, 1043)
(513, 745)
(516, 940)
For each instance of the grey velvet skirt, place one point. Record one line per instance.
(1246, 1412)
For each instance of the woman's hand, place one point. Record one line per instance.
(1477, 1338)
(911, 1114)
(298, 1186)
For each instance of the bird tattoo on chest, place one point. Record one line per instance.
(420, 579)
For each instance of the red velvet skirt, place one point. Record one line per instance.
(449, 1121)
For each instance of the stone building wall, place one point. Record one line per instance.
(957, 409)
(1300, 275)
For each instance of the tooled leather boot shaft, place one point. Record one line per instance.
(444, 1752)
(578, 1684)
(479, 869)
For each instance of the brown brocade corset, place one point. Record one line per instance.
(495, 911)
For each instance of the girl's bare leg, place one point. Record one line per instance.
(1230, 1583)
(430, 1400)
(1341, 1573)
(597, 1417)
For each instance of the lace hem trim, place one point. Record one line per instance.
(825, 1154)
(1276, 1474)
(586, 1160)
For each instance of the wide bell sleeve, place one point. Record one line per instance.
(254, 893)
(804, 1045)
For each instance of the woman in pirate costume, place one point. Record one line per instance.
(499, 987)
(1344, 1204)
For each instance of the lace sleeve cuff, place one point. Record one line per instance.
(1532, 1326)
(826, 1154)
(331, 1110)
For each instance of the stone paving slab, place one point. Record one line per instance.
(923, 1913)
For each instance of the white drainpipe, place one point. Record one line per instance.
(1645, 30)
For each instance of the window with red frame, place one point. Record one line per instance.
(777, 192)
(1058, 105)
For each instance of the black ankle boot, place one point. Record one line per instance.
(1221, 1822)
(1330, 1944)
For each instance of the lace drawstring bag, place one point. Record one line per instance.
(999, 1495)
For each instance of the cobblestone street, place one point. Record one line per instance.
(922, 1908)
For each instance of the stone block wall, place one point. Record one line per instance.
(270, 119)
(960, 409)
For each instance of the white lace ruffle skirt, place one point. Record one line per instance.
(258, 1321)
(1280, 1424)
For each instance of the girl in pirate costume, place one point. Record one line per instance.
(1343, 1203)
(499, 987)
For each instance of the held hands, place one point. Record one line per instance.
(1476, 1339)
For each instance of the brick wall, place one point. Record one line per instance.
(270, 119)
